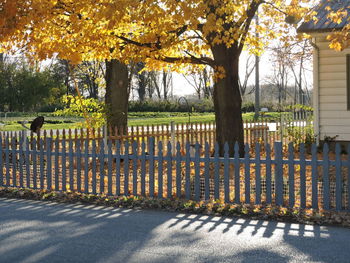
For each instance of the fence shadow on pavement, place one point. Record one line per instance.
(34, 231)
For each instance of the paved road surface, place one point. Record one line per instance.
(32, 231)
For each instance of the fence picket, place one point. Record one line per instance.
(326, 190)
(48, 164)
(151, 165)
(126, 168)
(71, 162)
(206, 172)
(42, 164)
(26, 162)
(78, 162)
(188, 172)
(117, 168)
(21, 161)
(94, 175)
(302, 176)
(226, 173)
(1, 162)
(101, 158)
(348, 177)
(246, 174)
(14, 161)
(110, 171)
(134, 166)
(63, 160)
(143, 167)
(278, 174)
(86, 166)
(338, 178)
(169, 170)
(216, 172)
(268, 174)
(314, 176)
(257, 174)
(178, 170)
(57, 183)
(291, 191)
(160, 169)
(197, 182)
(7, 160)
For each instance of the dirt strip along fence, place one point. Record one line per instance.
(295, 178)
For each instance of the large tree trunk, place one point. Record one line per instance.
(116, 97)
(227, 100)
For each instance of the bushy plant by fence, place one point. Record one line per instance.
(293, 180)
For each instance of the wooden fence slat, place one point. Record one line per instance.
(197, 183)
(143, 167)
(78, 161)
(110, 170)
(178, 170)
(237, 175)
(188, 172)
(21, 161)
(134, 167)
(291, 182)
(216, 172)
(86, 166)
(257, 173)
(1, 162)
(42, 164)
(71, 163)
(126, 168)
(63, 160)
(14, 161)
(314, 176)
(48, 163)
(348, 177)
(206, 171)
(169, 160)
(278, 174)
(160, 169)
(101, 158)
(94, 168)
(268, 174)
(7, 161)
(27, 162)
(326, 189)
(302, 176)
(246, 174)
(35, 167)
(117, 168)
(338, 178)
(226, 173)
(56, 165)
(151, 165)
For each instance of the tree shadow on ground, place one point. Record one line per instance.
(34, 231)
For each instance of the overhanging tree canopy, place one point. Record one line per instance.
(179, 35)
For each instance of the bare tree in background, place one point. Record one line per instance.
(280, 74)
(163, 84)
(201, 82)
(300, 58)
(248, 71)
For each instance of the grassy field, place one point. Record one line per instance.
(135, 118)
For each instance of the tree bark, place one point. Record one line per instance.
(228, 100)
(116, 97)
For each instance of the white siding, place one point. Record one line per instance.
(334, 118)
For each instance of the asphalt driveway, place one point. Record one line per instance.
(33, 231)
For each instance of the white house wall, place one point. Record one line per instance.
(334, 118)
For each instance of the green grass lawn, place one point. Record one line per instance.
(135, 118)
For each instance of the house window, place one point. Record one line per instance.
(348, 80)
